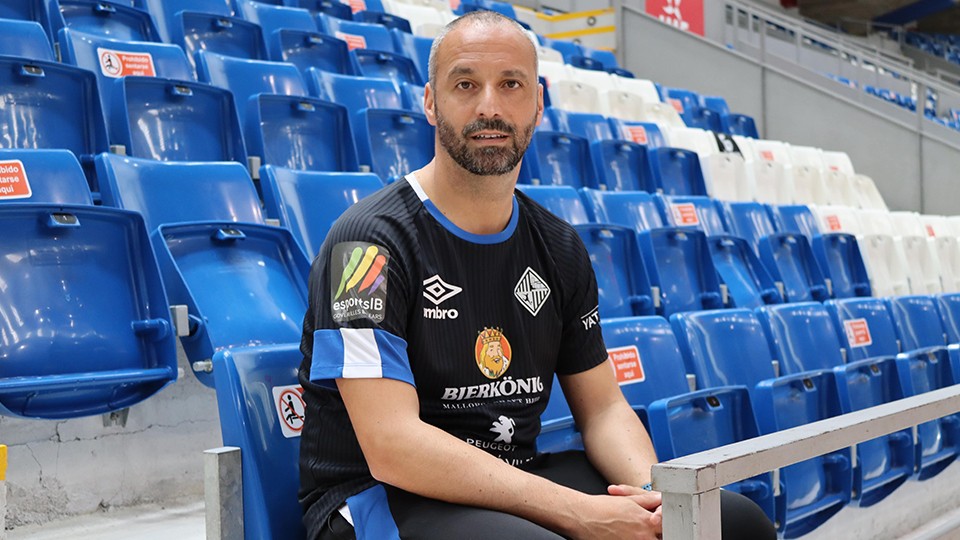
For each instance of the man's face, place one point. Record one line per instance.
(487, 99)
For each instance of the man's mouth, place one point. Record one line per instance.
(488, 136)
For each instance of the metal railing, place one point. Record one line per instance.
(691, 485)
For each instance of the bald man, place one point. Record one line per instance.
(441, 309)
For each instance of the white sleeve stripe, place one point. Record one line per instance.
(361, 355)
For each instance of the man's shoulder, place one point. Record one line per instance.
(554, 230)
(388, 211)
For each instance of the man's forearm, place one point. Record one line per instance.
(618, 445)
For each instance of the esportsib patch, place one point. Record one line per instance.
(358, 281)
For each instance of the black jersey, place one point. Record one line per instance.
(479, 324)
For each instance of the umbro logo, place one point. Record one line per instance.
(437, 291)
(532, 291)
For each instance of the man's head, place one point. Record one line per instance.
(484, 96)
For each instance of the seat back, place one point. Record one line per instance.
(917, 322)
(25, 39)
(316, 134)
(678, 262)
(724, 347)
(791, 258)
(692, 211)
(839, 257)
(645, 133)
(622, 282)
(563, 201)
(169, 120)
(114, 20)
(749, 220)
(291, 196)
(414, 47)
(635, 210)
(563, 159)
(798, 218)
(359, 35)
(249, 78)
(42, 176)
(355, 93)
(646, 359)
(748, 284)
(593, 127)
(312, 49)
(111, 58)
(677, 171)
(167, 13)
(261, 408)
(949, 309)
(865, 327)
(77, 351)
(386, 65)
(803, 337)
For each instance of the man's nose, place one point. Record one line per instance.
(489, 103)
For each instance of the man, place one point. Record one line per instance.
(441, 308)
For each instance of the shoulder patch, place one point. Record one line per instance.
(358, 281)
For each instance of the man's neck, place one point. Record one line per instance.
(476, 204)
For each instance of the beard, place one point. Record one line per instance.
(489, 160)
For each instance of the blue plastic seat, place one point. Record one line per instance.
(650, 371)
(108, 18)
(386, 65)
(261, 412)
(795, 218)
(692, 113)
(677, 171)
(42, 176)
(208, 25)
(416, 48)
(606, 58)
(645, 133)
(248, 79)
(170, 120)
(790, 259)
(393, 22)
(949, 308)
(730, 347)
(692, 211)
(25, 10)
(568, 49)
(917, 322)
(748, 283)
(26, 39)
(178, 192)
(359, 35)
(291, 196)
(739, 124)
(622, 281)
(412, 96)
(77, 351)
(51, 105)
(563, 201)
(591, 126)
(313, 50)
(750, 220)
(315, 134)
(681, 269)
(635, 210)
(560, 159)
(867, 330)
(717, 104)
(621, 166)
(804, 338)
(838, 255)
(391, 141)
(284, 29)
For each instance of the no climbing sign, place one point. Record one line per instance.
(288, 401)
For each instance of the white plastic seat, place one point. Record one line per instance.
(575, 97)
(554, 72)
(867, 193)
(948, 254)
(724, 173)
(920, 253)
(837, 219)
(416, 14)
(809, 183)
(597, 79)
(642, 87)
(773, 172)
(886, 265)
(839, 178)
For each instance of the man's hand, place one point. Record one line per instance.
(618, 517)
(648, 499)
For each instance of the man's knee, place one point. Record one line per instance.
(741, 518)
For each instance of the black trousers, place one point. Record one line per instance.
(421, 518)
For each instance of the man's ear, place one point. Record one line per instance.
(429, 104)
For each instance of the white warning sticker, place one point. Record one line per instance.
(290, 408)
(13, 180)
(122, 63)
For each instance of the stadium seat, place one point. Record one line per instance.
(414, 47)
(649, 368)
(867, 330)
(388, 20)
(26, 39)
(790, 259)
(178, 192)
(645, 133)
(261, 412)
(750, 221)
(678, 262)
(809, 182)
(693, 211)
(839, 257)
(840, 178)
(562, 201)
(358, 35)
(42, 176)
(635, 210)
(313, 49)
(621, 166)
(739, 124)
(386, 65)
(248, 79)
(301, 133)
(574, 96)
(391, 141)
(948, 305)
(917, 321)
(800, 219)
(52, 105)
(744, 281)
(412, 96)
(115, 20)
(25, 10)
(868, 194)
(561, 159)
(727, 347)
(677, 171)
(772, 171)
(291, 196)
(804, 338)
(170, 120)
(279, 24)
(687, 104)
(622, 281)
(208, 25)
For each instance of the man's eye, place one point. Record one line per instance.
(464, 85)
(512, 84)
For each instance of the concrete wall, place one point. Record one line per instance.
(60, 468)
(913, 161)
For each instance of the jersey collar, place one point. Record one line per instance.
(495, 238)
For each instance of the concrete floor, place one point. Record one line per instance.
(152, 522)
